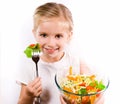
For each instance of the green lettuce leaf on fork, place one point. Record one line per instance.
(32, 47)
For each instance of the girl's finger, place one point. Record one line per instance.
(62, 100)
(34, 87)
(38, 79)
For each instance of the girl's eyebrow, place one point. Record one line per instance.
(42, 32)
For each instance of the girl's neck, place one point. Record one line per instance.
(52, 59)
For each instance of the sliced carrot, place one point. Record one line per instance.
(92, 99)
(72, 78)
(92, 77)
(73, 97)
(70, 70)
(67, 89)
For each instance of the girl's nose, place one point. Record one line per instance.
(51, 42)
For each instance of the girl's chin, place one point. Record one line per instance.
(52, 55)
(51, 52)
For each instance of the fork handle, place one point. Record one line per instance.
(37, 100)
(37, 75)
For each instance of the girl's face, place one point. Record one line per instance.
(52, 35)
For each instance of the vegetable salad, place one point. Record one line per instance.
(81, 88)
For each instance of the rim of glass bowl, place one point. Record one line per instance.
(81, 94)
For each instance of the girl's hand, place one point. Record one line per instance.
(101, 100)
(34, 88)
(62, 100)
(30, 91)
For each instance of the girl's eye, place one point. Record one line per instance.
(43, 35)
(58, 36)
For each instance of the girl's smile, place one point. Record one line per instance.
(50, 50)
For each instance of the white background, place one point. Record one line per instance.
(96, 38)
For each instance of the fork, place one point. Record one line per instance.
(35, 58)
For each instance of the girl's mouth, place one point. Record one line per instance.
(51, 51)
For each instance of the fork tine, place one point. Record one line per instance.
(35, 58)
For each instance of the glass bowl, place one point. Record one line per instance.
(81, 89)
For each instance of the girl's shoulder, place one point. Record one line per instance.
(74, 61)
(72, 56)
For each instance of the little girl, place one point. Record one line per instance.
(53, 30)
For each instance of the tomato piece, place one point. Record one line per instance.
(89, 88)
(32, 45)
(85, 99)
(82, 84)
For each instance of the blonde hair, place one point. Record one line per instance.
(53, 10)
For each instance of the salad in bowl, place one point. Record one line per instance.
(82, 89)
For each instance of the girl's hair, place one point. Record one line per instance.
(53, 10)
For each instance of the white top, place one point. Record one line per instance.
(50, 92)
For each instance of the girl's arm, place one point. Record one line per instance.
(84, 69)
(30, 91)
(24, 98)
(62, 100)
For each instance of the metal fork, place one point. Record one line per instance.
(36, 58)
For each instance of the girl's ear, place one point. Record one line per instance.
(34, 34)
(33, 31)
(70, 36)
